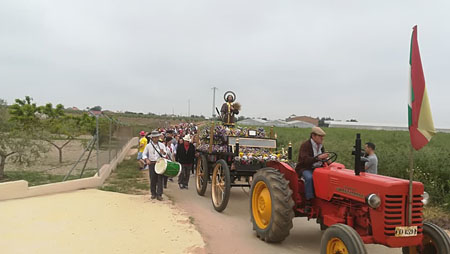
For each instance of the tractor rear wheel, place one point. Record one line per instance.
(202, 175)
(220, 185)
(341, 239)
(435, 240)
(271, 205)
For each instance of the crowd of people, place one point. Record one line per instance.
(175, 143)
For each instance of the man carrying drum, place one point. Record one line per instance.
(152, 152)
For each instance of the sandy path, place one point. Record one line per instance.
(94, 221)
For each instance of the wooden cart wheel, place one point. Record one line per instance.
(202, 175)
(220, 185)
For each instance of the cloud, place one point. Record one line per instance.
(346, 59)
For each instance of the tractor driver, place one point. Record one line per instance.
(309, 157)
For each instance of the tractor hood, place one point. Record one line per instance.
(337, 180)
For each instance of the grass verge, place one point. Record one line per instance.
(437, 216)
(127, 178)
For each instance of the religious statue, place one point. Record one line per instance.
(229, 109)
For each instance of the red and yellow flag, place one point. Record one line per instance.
(421, 127)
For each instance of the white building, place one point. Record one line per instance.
(276, 123)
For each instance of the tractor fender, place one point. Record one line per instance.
(289, 174)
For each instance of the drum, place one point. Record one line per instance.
(167, 167)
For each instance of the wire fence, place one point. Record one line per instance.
(84, 155)
(107, 142)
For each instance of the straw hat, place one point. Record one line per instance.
(187, 138)
(154, 134)
(318, 131)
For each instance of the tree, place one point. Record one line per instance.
(96, 108)
(240, 118)
(16, 143)
(3, 111)
(48, 123)
(4, 141)
(24, 124)
(59, 126)
(25, 114)
(14, 139)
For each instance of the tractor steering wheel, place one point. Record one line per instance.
(332, 157)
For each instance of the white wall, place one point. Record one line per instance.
(20, 189)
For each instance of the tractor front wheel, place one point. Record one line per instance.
(271, 205)
(341, 239)
(435, 240)
(220, 185)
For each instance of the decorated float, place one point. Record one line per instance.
(230, 155)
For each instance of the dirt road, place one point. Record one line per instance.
(94, 221)
(231, 230)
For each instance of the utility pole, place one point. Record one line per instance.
(189, 107)
(214, 101)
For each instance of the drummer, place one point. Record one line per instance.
(152, 152)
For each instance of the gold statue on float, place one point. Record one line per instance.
(229, 109)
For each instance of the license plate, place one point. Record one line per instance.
(405, 231)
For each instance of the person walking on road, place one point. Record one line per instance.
(169, 155)
(152, 152)
(185, 156)
(142, 144)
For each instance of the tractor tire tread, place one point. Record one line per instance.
(282, 206)
(441, 233)
(433, 230)
(354, 238)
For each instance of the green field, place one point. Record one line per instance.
(432, 163)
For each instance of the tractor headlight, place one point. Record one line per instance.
(425, 198)
(373, 200)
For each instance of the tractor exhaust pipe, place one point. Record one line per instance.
(357, 153)
(290, 151)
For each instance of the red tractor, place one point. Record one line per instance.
(353, 208)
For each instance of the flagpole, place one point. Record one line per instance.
(411, 173)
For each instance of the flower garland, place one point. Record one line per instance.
(257, 155)
(216, 148)
(222, 132)
(247, 155)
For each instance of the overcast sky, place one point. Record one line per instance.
(344, 59)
